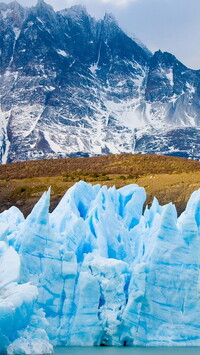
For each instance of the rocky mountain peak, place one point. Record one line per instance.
(163, 59)
(12, 6)
(79, 9)
(41, 4)
(75, 13)
(12, 14)
(43, 9)
(72, 85)
(109, 19)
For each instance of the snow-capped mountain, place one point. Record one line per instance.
(71, 85)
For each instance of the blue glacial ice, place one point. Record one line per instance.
(99, 270)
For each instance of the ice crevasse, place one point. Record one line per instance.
(99, 270)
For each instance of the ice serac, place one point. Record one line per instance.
(34, 240)
(16, 300)
(99, 271)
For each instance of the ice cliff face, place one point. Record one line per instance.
(71, 85)
(99, 271)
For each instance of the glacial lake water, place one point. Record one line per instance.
(127, 351)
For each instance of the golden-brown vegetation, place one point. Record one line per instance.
(167, 178)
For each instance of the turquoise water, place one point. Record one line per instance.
(127, 351)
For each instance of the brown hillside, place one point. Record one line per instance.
(167, 178)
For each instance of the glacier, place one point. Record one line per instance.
(99, 270)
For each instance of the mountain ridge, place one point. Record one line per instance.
(73, 85)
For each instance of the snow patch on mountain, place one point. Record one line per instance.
(84, 86)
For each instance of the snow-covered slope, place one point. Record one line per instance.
(71, 85)
(98, 271)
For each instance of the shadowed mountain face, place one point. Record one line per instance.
(71, 85)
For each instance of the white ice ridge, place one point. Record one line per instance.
(99, 270)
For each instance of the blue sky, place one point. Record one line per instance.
(169, 25)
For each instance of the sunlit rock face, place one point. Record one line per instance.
(99, 271)
(71, 85)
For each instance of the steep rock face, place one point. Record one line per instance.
(175, 88)
(72, 85)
